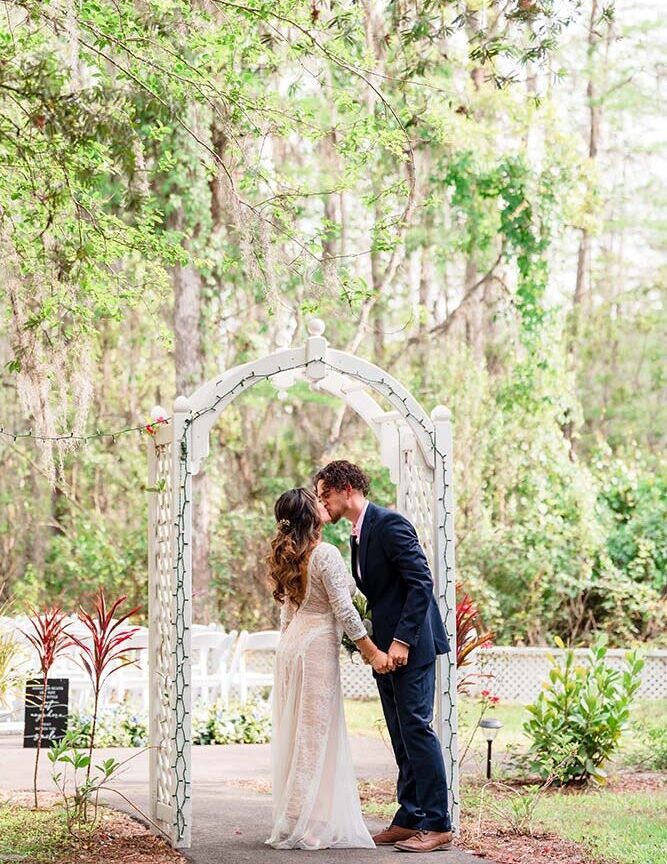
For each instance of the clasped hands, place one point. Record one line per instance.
(383, 662)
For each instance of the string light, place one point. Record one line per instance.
(149, 428)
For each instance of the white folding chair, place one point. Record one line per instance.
(130, 683)
(211, 652)
(263, 642)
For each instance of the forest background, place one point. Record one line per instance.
(470, 193)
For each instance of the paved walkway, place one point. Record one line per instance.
(230, 820)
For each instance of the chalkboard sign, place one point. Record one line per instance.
(55, 718)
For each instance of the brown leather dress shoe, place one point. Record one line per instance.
(393, 834)
(426, 841)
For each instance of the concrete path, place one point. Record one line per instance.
(230, 820)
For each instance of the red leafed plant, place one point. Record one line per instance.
(468, 635)
(49, 640)
(104, 652)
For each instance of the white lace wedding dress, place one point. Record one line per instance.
(315, 799)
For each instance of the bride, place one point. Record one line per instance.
(315, 799)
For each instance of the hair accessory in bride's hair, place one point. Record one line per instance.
(284, 524)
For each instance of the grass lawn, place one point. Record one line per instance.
(38, 835)
(614, 827)
(365, 718)
(629, 827)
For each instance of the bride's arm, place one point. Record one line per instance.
(286, 614)
(334, 577)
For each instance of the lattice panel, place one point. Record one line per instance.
(516, 674)
(416, 492)
(162, 731)
(422, 495)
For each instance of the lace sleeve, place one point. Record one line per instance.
(286, 614)
(335, 580)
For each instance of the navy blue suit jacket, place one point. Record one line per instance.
(397, 581)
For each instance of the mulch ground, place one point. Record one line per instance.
(119, 839)
(123, 840)
(505, 848)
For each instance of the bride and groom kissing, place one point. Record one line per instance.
(315, 799)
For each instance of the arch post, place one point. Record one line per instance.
(445, 578)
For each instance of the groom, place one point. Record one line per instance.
(390, 568)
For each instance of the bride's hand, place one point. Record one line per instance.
(381, 663)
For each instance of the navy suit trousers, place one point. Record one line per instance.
(407, 698)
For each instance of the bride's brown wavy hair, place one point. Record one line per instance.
(298, 531)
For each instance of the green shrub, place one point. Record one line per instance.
(117, 726)
(577, 720)
(653, 746)
(120, 726)
(234, 724)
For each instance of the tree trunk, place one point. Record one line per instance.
(582, 285)
(189, 366)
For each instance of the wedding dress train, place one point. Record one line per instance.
(315, 799)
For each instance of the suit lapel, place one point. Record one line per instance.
(366, 528)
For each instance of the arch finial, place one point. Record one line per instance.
(316, 327)
(182, 405)
(440, 414)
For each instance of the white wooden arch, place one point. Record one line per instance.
(417, 450)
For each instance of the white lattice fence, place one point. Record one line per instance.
(357, 679)
(516, 674)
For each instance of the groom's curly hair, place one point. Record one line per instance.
(340, 474)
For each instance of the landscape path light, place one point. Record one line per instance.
(490, 728)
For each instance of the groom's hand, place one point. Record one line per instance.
(398, 654)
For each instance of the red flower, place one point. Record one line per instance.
(485, 694)
(151, 428)
(495, 700)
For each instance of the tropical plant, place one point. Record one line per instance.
(581, 713)
(468, 635)
(49, 639)
(70, 751)
(105, 653)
